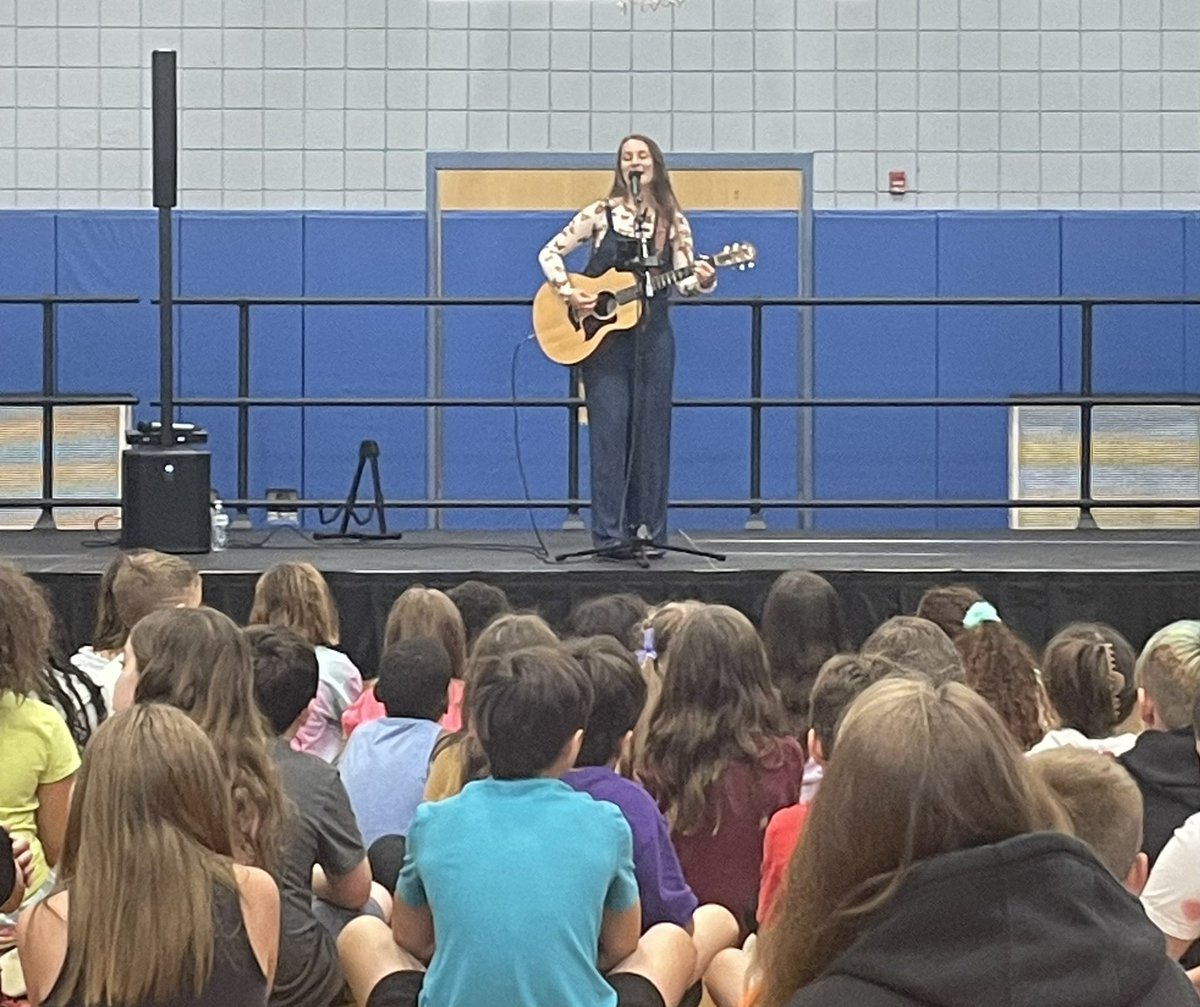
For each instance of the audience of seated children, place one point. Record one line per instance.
(140, 583)
(802, 627)
(934, 871)
(1104, 807)
(908, 645)
(617, 615)
(198, 661)
(840, 682)
(478, 604)
(159, 912)
(618, 694)
(458, 757)
(520, 891)
(38, 757)
(1085, 687)
(719, 759)
(420, 612)
(1002, 669)
(295, 596)
(321, 831)
(386, 761)
(946, 607)
(1164, 762)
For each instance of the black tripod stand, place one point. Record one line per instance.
(642, 548)
(368, 454)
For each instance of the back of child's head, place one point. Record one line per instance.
(841, 680)
(286, 674)
(26, 632)
(1002, 669)
(296, 596)
(527, 706)
(910, 646)
(946, 607)
(148, 581)
(110, 633)
(803, 626)
(414, 679)
(1083, 684)
(425, 611)
(478, 604)
(1102, 801)
(512, 631)
(618, 696)
(662, 623)
(1168, 670)
(617, 615)
(1122, 651)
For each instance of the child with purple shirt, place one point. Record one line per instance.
(619, 695)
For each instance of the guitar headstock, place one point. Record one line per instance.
(739, 255)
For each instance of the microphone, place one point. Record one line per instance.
(635, 184)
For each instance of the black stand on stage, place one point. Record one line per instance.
(368, 453)
(643, 548)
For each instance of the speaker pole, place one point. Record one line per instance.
(165, 160)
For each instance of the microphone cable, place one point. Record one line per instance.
(542, 552)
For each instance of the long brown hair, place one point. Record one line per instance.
(718, 706)
(423, 611)
(1002, 669)
(147, 840)
(110, 633)
(296, 597)
(920, 770)
(803, 626)
(1083, 684)
(661, 191)
(26, 633)
(199, 661)
(946, 607)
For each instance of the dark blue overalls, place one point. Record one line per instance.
(628, 383)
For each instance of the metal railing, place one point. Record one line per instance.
(756, 402)
(50, 396)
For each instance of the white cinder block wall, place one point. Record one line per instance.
(332, 103)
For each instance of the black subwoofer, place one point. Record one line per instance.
(165, 499)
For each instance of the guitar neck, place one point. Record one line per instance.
(658, 281)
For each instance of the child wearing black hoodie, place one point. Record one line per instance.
(955, 892)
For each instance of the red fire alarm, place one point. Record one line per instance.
(897, 182)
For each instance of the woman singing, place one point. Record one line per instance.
(628, 380)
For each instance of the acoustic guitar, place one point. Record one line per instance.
(566, 338)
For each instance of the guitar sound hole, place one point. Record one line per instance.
(606, 305)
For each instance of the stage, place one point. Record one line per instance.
(1038, 580)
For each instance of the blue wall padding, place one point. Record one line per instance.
(109, 348)
(950, 453)
(991, 351)
(878, 353)
(711, 449)
(1191, 280)
(227, 254)
(495, 255)
(365, 352)
(27, 264)
(1137, 349)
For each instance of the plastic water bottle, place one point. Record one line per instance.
(220, 526)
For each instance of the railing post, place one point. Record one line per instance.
(1086, 519)
(573, 522)
(755, 521)
(49, 389)
(242, 518)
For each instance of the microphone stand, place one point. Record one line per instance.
(642, 546)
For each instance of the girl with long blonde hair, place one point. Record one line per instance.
(296, 597)
(935, 868)
(151, 907)
(198, 661)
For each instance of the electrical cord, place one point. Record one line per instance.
(541, 552)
